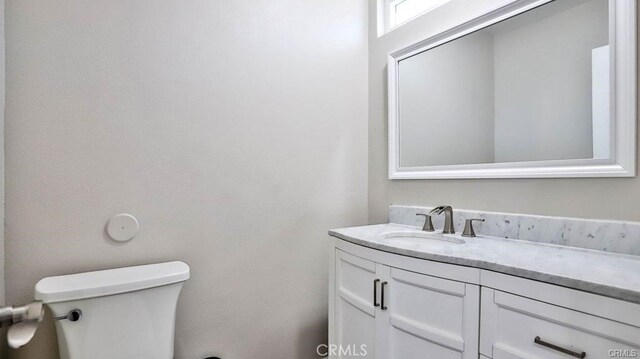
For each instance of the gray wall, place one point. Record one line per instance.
(590, 198)
(235, 130)
(543, 84)
(2, 107)
(446, 97)
(3, 343)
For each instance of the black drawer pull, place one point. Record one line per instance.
(383, 307)
(537, 340)
(375, 292)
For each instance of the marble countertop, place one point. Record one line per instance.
(610, 274)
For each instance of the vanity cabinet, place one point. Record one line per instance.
(388, 306)
(387, 312)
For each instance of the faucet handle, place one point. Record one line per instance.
(428, 224)
(468, 227)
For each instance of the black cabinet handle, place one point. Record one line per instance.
(539, 341)
(383, 307)
(375, 292)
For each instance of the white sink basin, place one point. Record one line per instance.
(424, 236)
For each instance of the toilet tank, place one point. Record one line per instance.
(126, 313)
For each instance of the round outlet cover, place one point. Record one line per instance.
(123, 227)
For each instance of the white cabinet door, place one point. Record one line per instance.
(428, 317)
(355, 313)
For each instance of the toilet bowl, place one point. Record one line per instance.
(122, 313)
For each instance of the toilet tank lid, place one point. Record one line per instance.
(108, 282)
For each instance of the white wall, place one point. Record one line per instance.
(446, 95)
(235, 130)
(587, 197)
(543, 88)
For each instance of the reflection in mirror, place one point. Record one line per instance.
(532, 88)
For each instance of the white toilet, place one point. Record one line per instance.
(124, 313)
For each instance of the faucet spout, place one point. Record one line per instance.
(448, 218)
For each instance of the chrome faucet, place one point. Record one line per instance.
(448, 218)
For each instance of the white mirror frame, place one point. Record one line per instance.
(622, 41)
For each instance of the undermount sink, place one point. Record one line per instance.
(423, 236)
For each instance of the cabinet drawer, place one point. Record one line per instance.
(510, 325)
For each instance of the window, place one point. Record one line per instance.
(398, 12)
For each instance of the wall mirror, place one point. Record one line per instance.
(533, 89)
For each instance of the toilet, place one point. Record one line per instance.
(122, 313)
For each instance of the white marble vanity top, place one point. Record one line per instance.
(610, 274)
